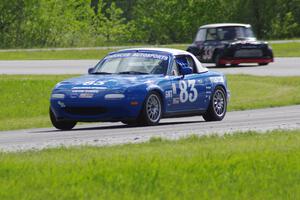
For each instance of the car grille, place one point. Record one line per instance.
(85, 110)
(248, 53)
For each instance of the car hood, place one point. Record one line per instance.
(253, 42)
(107, 81)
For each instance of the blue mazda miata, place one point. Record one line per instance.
(139, 87)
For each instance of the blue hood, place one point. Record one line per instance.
(114, 81)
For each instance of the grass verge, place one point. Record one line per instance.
(280, 50)
(250, 92)
(286, 49)
(25, 98)
(238, 166)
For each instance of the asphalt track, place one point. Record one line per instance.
(281, 67)
(121, 47)
(117, 133)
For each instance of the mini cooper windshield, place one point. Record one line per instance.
(133, 63)
(232, 33)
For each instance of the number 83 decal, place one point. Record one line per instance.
(184, 95)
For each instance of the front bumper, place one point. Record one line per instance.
(245, 60)
(95, 110)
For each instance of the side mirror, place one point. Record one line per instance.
(90, 70)
(186, 70)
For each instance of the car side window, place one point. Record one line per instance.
(191, 63)
(211, 34)
(201, 35)
(186, 60)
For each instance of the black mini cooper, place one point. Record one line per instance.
(230, 44)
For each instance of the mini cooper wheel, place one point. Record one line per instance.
(217, 61)
(152, 109)
(218, 106)
(62, 125)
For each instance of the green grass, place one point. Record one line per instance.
(66, 54)
(248, 92)
(25, 98)
(286, 49)
(54, 55)
(280, 50)
(239, 166)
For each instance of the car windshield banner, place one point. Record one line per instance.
(138, 54)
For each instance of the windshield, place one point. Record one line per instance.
(133, 63)
(232, 33)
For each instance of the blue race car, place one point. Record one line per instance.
(139, 87)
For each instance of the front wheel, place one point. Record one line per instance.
(217, 61)
(62, 125)
(217, 107)
(130, 122)
(152, 109)
(262, 64)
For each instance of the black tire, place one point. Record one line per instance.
(151, 114)
(217, 107)
(217, 61)
(262, 64)
(130, 122)
(62, 125)
(234, 65)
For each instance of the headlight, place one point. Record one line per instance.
(217, 79)
(58, 96)
(114, 96)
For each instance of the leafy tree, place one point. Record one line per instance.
(285, 27)
(113, 25)
(53, 23)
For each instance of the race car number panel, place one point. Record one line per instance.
(187, 93)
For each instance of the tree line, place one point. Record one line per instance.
(67, 23)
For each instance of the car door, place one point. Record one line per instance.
(188, 91)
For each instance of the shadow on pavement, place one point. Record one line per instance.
(112, 127)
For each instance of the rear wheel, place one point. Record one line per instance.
(217, 107)
(152, 110)
(62, 125)
(234, 65)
